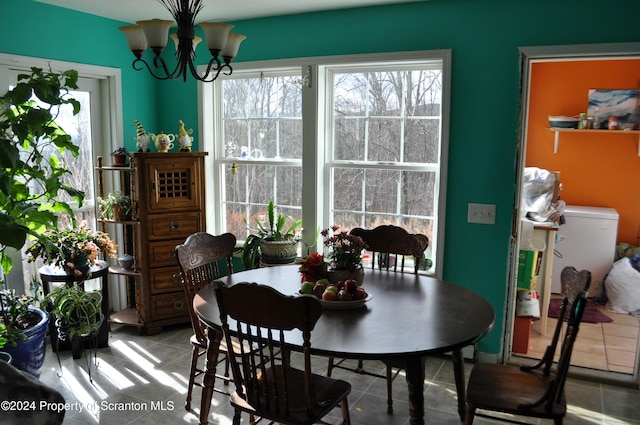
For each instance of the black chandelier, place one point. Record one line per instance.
(155, 33)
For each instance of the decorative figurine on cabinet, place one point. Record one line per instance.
(185, 140)
(142, 138)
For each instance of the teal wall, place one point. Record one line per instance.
(484, 37)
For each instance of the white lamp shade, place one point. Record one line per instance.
(215, 34)
(176, 40)
(156, 31)
(135, 37)
(233, 44)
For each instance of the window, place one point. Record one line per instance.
(261, 135)
(363, 143)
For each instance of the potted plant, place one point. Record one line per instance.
(31, 156)
(119, 157)
(23, 329)
(116, 206)
(345, 255)
(73, 250)
(77, 314)
(275, 243)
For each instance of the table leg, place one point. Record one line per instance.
(415, 383)
(458, 371)
(215, 336)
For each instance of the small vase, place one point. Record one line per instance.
(336, 276)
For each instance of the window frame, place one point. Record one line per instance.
(316, 129)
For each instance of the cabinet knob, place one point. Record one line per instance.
(178, 305)
(174, 225)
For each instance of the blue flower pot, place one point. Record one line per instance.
(29, 355)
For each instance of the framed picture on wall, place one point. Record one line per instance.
(622, 104)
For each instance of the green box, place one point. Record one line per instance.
(527, 268)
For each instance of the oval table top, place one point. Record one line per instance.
(408, 315)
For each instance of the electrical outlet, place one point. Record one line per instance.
(481, 213)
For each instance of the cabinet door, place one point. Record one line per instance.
(174, 184)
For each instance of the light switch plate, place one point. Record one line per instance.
(482, 214)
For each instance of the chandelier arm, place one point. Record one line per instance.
(213, 67)
(137, 62)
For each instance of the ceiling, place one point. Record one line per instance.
(230, 10)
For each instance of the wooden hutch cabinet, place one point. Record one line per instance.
(170, 204)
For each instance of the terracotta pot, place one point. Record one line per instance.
(119, 160)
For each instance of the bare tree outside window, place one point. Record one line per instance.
(262, 131)
(376, 157)
(386, 148)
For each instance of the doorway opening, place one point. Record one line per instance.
(556, 80)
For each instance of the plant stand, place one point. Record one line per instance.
(49, 275)
(78, 345)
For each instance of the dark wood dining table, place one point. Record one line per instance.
(408, 318)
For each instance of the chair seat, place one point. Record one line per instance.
(507, 388)
(328, 392)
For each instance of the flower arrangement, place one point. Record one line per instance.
(74, 250)
(313, 268)
(345, 249)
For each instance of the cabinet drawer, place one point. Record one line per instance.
(169, 306)
(164, 226)
(161, 253)
(161, 280)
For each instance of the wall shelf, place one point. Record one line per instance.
(557, 132)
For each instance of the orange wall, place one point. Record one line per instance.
(599, 170)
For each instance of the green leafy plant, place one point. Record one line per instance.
(32, 171)
(116, 206)
(32, 165)
(77, 312)
(74, 250)
(17, 315)
(280, 228)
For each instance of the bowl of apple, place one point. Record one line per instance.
(342, 295)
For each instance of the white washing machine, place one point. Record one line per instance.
(587, 241)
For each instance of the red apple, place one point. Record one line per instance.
(329, 295)
(343, 295)
(359, 294)
(350, 285)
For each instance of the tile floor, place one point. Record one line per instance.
(610, 347)
(142, 380)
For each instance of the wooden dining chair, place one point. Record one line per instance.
(266, 384)
(201, 258)
(388, 245)
(536, 390)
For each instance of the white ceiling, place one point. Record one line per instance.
(228, 10)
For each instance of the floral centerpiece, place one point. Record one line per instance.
(313, 268)
(74, 250)
(343, 259)
(345, 249)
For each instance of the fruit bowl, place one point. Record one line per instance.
(344, 305)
